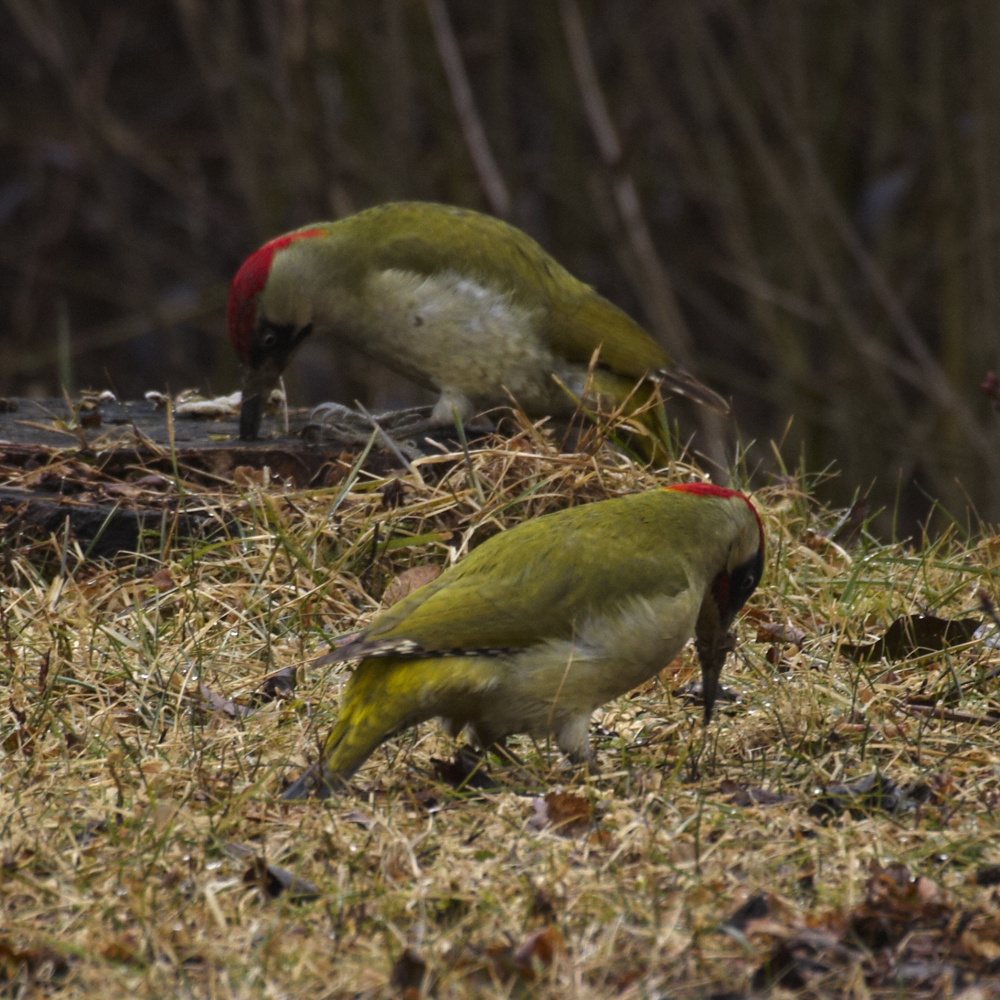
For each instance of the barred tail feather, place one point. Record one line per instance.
(685, 384)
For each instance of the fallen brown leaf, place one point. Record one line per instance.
(245, 475)
(408, 973)
(162, 580)
(914, 635)
(408, 581)
(770, 631)
(220, 704)
(538, 950)
(569, 815)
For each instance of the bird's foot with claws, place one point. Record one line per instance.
(334, 421)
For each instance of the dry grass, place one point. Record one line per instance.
(132, 764)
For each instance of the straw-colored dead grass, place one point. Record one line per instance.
(136, 756)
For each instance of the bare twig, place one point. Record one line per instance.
(657, 288)
(219, 85)
(931, 379)
(659, 292)
(465, 106)
(950, 714)
(881, 359)
(85, 98)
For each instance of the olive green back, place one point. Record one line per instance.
(426, 238)
(543, 578)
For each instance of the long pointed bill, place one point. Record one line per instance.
(710, 674)
(712, 652)
(257, 385)
(685, 384)
(251, 410)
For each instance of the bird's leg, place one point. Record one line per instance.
(574, 741)
(451, 405)
(341, 423)
(489, 741)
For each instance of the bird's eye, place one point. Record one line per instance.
(269, 339)
(743, 581)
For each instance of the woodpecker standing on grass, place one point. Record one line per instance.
(461, 303)
(542, 624)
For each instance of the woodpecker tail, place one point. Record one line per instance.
(659, 446)
(365, 720)
(383, 697)
(639, 404)
(683, 383)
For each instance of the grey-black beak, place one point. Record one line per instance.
(251, 410)
(710, 674)
(712, 655)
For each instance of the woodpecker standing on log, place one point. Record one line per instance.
(461, 303)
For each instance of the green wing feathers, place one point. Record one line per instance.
(504, 594)
(589, 322)
(429, 239)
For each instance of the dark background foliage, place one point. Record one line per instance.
(799, 198)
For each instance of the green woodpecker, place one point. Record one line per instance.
(542, 624)
(459, 302)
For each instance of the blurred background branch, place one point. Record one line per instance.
(802, 204)
(487, 170)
